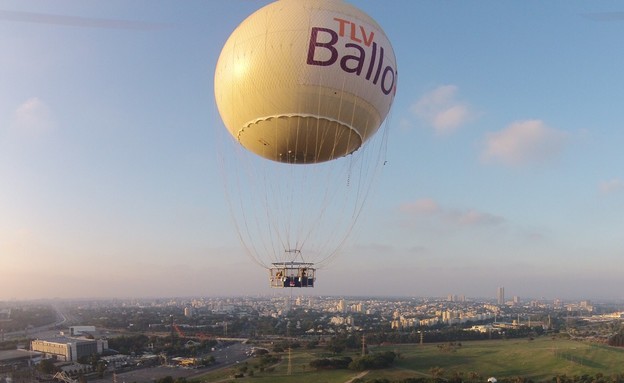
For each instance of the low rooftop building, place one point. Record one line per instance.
(68, 349)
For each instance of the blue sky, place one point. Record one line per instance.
(505, 165)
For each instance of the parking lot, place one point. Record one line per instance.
(224, 357)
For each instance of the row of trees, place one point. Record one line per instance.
(8, 345)
(449, 334)
(367, 362)
(331, 363)
(446, 338)
(135, 344)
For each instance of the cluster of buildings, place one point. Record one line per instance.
(80, 342)
(399, 313)
(448, 317)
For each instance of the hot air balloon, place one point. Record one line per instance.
(303, 86)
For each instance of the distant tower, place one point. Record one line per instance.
(171, 324)
(501, 296)
(289, 372)
(363, 345)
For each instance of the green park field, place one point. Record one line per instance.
(539, 359)
(475, 361)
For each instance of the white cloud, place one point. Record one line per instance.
(524, 142)
(427, 207)
(33, 117)
(476, 218)
(611, 186)
(421, 206)
(441, 109)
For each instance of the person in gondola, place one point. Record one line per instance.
(303, 277)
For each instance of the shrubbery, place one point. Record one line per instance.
(331, 363)
(368, 362)
(373, 361)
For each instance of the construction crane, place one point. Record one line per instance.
(62, 376)
(201, 336)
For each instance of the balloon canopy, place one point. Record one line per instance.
(306, 84)
(305, 81)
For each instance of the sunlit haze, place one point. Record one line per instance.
(504, 156)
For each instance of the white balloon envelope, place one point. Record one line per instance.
(305, 81)
(305, 84)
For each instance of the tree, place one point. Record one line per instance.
(47, 367)
(335, 348)
(311, 344)
(100, 368)
(373, 361)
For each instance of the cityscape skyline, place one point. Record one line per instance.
(503, 167)
(498, 298)
(144, 339)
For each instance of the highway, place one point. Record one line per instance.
(40, 331)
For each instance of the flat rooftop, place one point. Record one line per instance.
(64, 339)
(11, 355)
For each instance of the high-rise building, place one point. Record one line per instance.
(501, 296)
(341, 307)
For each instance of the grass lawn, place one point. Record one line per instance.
(278, 373)
(538, 359)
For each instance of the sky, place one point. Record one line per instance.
(504, 156)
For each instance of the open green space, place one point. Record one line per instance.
(539, 359)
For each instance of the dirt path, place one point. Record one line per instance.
(358, 376)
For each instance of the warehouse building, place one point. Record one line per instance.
(68, 349)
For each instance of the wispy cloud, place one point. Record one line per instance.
(441, 109)
(611, 186)
(78, 21)
(523, 143)
(429, 208)
(33, 118)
